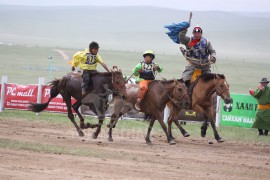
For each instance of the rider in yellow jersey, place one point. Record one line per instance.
(87, 61)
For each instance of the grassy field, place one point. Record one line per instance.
(23, 65)
(228, 133)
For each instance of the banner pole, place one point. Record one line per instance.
(218, 111)
(4, 81)
(41, 82)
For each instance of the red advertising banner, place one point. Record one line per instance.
(57, 104)
(0, 90)
(18, 96)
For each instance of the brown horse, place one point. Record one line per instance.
(70, 86)
(158, 95)
(202, 102)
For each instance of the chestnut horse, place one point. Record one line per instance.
(158, 95)
(70, 86)
(202, 102)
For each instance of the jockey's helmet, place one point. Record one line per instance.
(197, 28)
(93, 45)
(149, 53)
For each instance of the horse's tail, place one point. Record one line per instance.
(38, 107)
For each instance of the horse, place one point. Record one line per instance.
(202, 102)
(70, 86)
(158, 95)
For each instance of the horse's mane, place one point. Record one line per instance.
(170, 81)
(105, 74)
(211, 76)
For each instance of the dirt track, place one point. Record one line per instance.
(128, 157)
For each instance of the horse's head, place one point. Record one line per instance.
(180, 95)
(118, 82)
(222, 88)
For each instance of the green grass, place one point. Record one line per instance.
(54, 149)
(227, 133)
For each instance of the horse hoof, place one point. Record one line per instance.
(203, 135)
(81, 134)
(172, 138)
(110, 139)
(220, 140)
(186, 135)
(172, 142)
(94, 136)
(148, 142)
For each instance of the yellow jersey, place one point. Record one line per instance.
(85, 60)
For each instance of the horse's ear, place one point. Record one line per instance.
(175, 81)
(115, 67)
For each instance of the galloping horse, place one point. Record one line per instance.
(158, 95)
(202, 102)
(70, 86)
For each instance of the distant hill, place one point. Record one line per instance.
(233, 34)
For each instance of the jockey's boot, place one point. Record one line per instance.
(187, 82)
(260, 132)
(138, 104)
(266, 132)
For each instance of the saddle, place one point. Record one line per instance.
(193, 81)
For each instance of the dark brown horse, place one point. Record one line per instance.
(158, 95)
(70, 86)
(202, 102)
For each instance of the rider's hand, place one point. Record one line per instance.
(156, 68)
(141, 70)
(213, 59)
(72, 68)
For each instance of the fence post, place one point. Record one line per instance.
(4, 81)
(41, 82)
(166, 114)
(218, 111)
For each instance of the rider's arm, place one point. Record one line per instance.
(258, 92)
(99, 60)
(159, 69)
(137, 69)
(78, 58)
(211, 51)
(105, 67)
(182, 36)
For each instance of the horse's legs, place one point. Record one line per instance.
(217, 137)
(182, 130)
(170, 140)
(112, 124)
(204, 127)
(100, 122)
(152, 121)
(170, 127)
(114, 119)
(71, 116)
(76, 106)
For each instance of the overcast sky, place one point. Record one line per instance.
(201, 5)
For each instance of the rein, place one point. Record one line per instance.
(219, 92)
(113, 86)
(175, 102)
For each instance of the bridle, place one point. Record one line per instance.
(173, 99)
(221, 91)
(115, 88)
